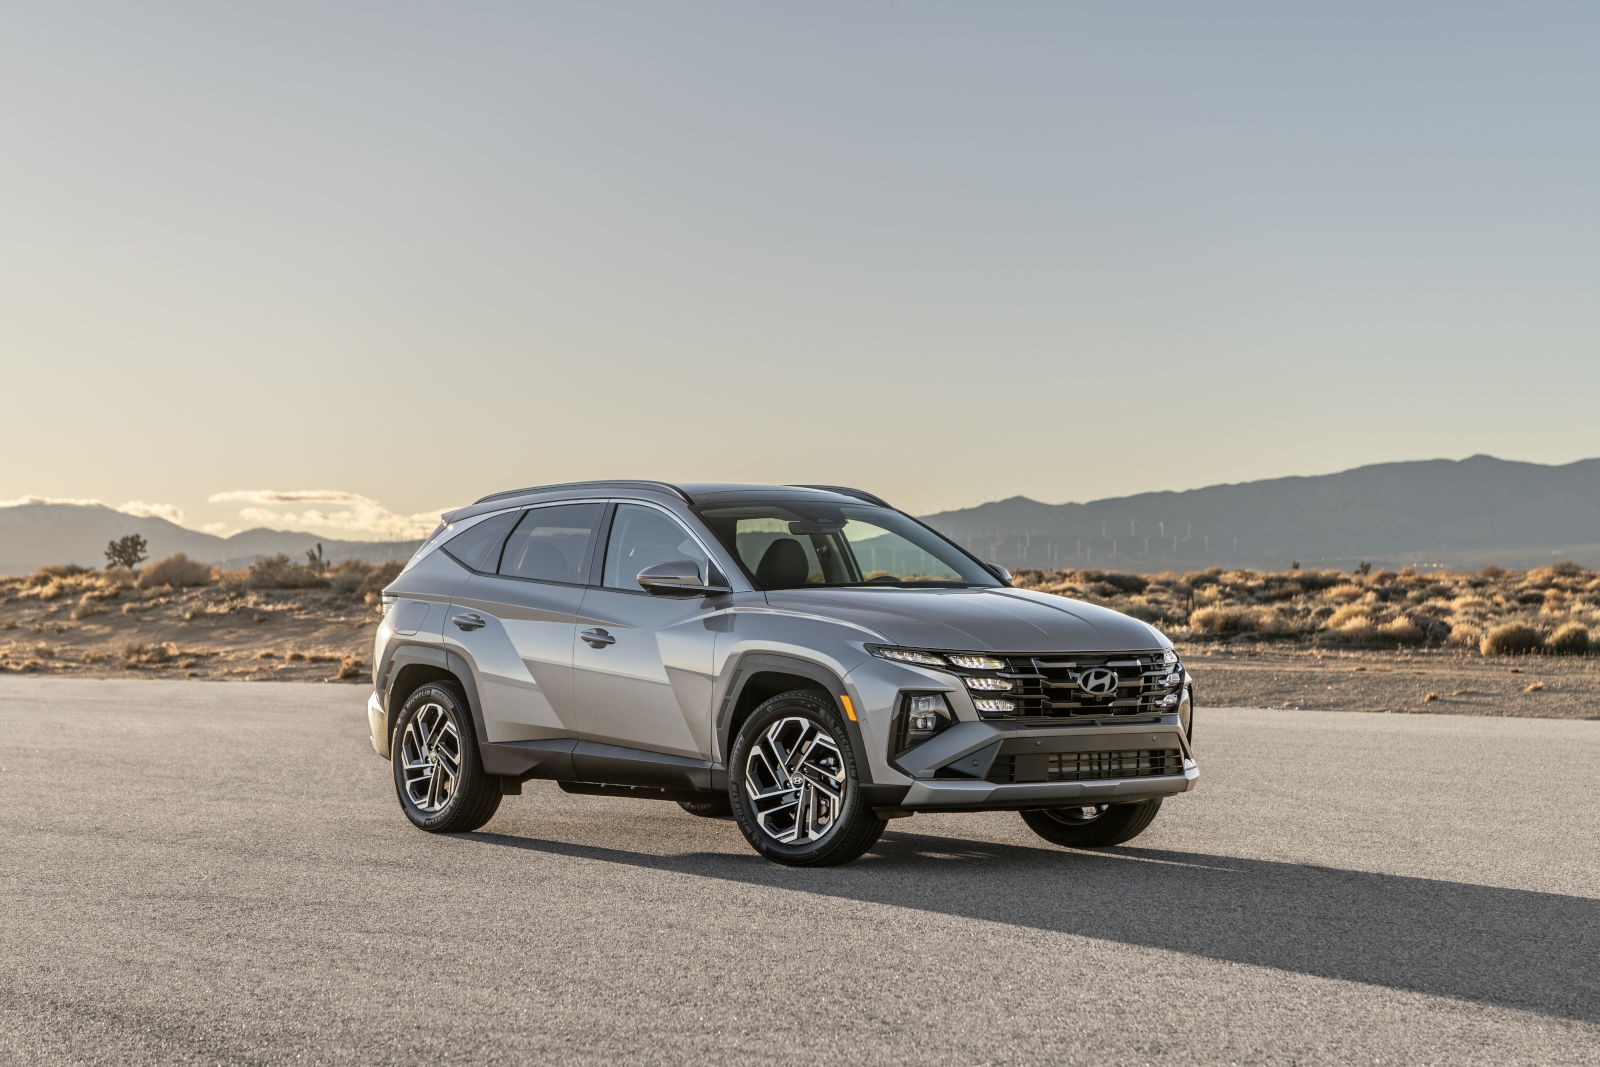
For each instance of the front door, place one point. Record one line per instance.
(644, 663)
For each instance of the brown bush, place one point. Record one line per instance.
(1511, 639)
(51, 572)
(1402, 631)
(88, 605)
(350, 667)
(1570, 640)
(177, 571)
(155, 652)
(280, 572)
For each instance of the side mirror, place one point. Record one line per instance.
(999, 572)
(678, 577)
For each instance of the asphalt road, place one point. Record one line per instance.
(211, 872)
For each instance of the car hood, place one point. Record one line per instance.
(975, 620)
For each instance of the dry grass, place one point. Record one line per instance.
(1552, 609)
(139, 654)
(177, 572)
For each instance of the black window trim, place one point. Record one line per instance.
(597, 577)
(600, 520)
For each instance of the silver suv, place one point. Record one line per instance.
(804, 658)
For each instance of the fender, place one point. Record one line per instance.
(753, 663)
(431, 656)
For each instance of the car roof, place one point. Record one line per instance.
(687, 493)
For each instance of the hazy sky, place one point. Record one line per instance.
(405, 254)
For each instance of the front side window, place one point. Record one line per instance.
(642, 537)
(795, 544)
(549, 544)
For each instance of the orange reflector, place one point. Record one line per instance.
(849, 708)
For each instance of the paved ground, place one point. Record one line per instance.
(199, 872)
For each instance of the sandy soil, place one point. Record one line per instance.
(1443, 681)
(260, 635)
(323, 636)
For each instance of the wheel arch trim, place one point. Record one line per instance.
(429, 656)
(753, 664)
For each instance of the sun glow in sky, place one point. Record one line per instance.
(417, 252)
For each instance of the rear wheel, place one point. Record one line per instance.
(438, 774)
(794, 785)
(1092, 826)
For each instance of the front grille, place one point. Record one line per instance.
(1047, 686)
(1086, 766)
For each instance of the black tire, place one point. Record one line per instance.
(713, 807)
(1114, 824)
(854, 826)
(476, 795)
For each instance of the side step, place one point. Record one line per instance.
(635, 792)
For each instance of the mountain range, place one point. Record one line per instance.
(1456, 513)
(32, 535)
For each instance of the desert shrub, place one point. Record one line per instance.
(1344, 593)
(52, 572)
(88, 605)
(1555, 572)
(1346, 612)
(1511, 639)
(1120, 583)
(153, 652)
(177, 571)
(280, 572)
(1144, 611)
(1570, 640)
(1230, 619)
(1402, 631)
(350, 667)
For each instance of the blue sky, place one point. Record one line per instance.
(404, 254)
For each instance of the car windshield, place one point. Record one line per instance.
(800, 544)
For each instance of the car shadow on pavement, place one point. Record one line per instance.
(1511, 948)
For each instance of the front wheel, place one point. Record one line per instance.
(794, 785)
(1094, 826)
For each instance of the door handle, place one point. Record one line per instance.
(469, 621)
(598, 638)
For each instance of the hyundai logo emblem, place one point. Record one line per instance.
(1098, 682)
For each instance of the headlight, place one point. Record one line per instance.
(989, 685)
(977, 663)
(1169, 658)
(909, 655)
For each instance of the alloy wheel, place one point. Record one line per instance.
(430, 755)
(795, 781)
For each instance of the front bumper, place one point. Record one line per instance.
(1007, 766)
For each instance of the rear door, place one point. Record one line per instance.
(644, 663)
(515, 621)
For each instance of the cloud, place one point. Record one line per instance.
(221, 529)
(141, 509)
(145, 510)
(349, 514)
(79, 502)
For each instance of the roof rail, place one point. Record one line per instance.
(859, 494)
(665, 487)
